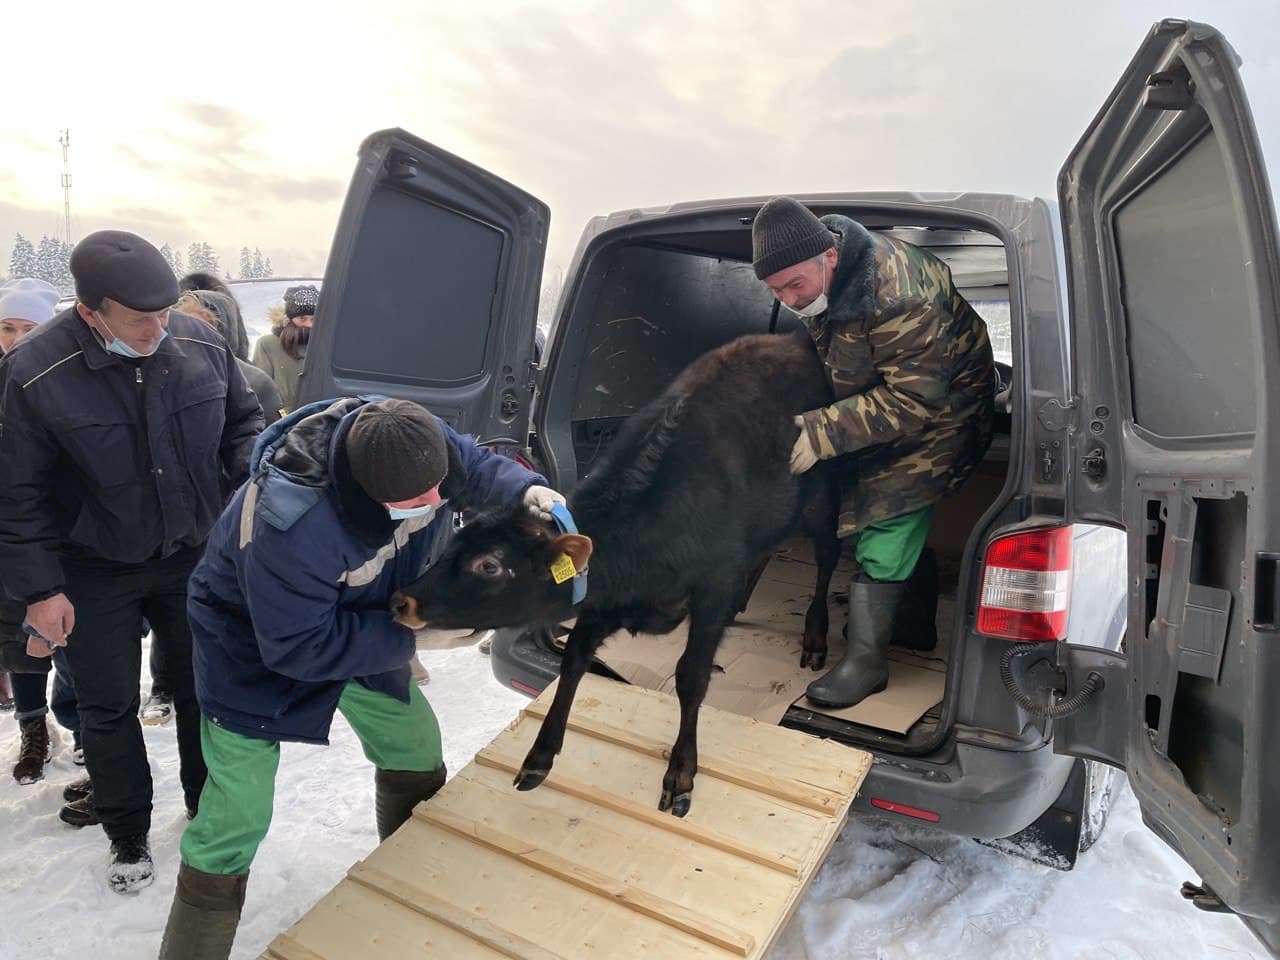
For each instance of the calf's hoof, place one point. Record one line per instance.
(677, 803)
(813, 659)
(527, 779)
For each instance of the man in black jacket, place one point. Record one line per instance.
(123, 429)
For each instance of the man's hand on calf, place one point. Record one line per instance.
(540, 500)
(803, 456)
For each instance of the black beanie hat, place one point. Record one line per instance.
(396, 450)
(784, 233)
(124, 267)
(301, 301)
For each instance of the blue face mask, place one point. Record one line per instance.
(398, 513)
(122, 349)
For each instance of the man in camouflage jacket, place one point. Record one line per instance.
(911, 367)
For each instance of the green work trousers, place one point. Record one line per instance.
(889, 550)
(235, 805)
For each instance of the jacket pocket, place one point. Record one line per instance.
(105, 453)
(851, 365)
(198, 418)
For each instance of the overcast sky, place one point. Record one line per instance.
(239, 125)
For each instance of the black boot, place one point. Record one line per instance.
(81, 812)
(865, 667)
(397, 792)
(33, 753)
(130, 867)
(77, 789)
(204, 916)
(916, 626)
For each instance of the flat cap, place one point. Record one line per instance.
(124, 267)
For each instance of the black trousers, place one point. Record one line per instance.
(105, 652)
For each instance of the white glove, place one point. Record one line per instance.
(803, 456)
(539, 501)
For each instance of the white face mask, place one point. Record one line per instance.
(122, 349)
(405, 513)
(819, 306)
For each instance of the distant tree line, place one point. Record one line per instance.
(50, 260)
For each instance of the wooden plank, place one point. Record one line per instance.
(641, 901)
(736, 892)
(649, 815)
(353, 922)
(548, 911)
(284, 947)
(588, 866)
(756, 820)
(807, 795)
(762, 747)
(429, 905)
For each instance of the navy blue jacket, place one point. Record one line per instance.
(292, 597)
(120, 459)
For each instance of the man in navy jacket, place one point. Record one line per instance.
(124, 426)
(290, 607)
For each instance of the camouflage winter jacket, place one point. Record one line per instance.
(911, 367)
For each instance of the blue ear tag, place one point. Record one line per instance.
(564, 521)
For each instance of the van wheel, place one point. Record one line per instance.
(1073, 822)
(1101, 785)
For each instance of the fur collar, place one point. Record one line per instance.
(853, 288)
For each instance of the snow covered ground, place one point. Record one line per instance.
(884, 893)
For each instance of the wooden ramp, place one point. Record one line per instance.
(585, 865)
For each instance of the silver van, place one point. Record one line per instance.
(1137, 319)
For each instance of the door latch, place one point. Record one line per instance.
(1094, 464)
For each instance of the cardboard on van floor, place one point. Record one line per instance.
(758, 671)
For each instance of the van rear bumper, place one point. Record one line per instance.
(977, 792)
(973, 790)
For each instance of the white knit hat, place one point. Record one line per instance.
(28, 299)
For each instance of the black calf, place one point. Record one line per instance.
(679, 519)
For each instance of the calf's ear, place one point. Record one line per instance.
(574, 545)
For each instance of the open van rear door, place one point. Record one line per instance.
(431, 290)
(1171, 251)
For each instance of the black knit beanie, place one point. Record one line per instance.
(301, 301)
(786, 232)
(396, 450)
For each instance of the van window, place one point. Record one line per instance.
(996, 315)
(398, 279)
(1185, 293)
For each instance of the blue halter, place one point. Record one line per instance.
(564, 520)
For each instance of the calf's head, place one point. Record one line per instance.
(497, 572)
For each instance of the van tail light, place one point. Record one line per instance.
(1026, 583)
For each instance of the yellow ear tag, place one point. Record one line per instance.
(563, 570)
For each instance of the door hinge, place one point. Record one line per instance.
(1170, 90)
(1055, 415)
(1203, 898)
(1094, 464)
